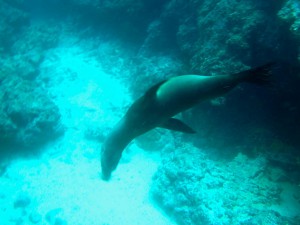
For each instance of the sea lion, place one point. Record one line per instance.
(166, 99)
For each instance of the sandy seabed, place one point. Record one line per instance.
(66, 181)
(63, 184)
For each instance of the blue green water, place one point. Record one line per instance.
(69, 71)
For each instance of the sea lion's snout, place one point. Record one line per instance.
(110, 157)
(105, 175)
(105, 171)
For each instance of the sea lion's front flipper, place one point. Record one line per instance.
(177, 125)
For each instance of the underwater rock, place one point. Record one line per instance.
(59, 221)
(17, 221)
(21, 65)
(3, 168)
(27, 116)
(277, 175)
(191, 188)
(290, 12)
(217, 36)
(267, 217)
(24, 55)
(35, 217)
(22, 42)
(287, 163)
(54, 217)
(11, 23)
(181, 200)
(296, 196)
(22, 201)
(119, 18)
(153, 69)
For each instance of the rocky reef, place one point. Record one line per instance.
(28, 117)
(290, 12)
(12, 21)
(194, 189)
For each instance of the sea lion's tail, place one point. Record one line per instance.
(259, 75)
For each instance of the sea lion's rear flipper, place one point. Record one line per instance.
(259, 75)
(177, 125)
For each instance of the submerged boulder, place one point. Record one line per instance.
(27, 116)
(290, 12)
(12, 21)
(194, 189)
(22, 201)
(54, 217)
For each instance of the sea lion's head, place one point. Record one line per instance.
(109, 159)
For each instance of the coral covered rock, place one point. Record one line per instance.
(127, 18)
(11, 22)
(290, 12)
(192, 188)
(27, 116)
(220, 36)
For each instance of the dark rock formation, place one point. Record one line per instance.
(27, 117)
(196, 190)
(11, 23)
(290, 12)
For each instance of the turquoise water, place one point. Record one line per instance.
(70, 70)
